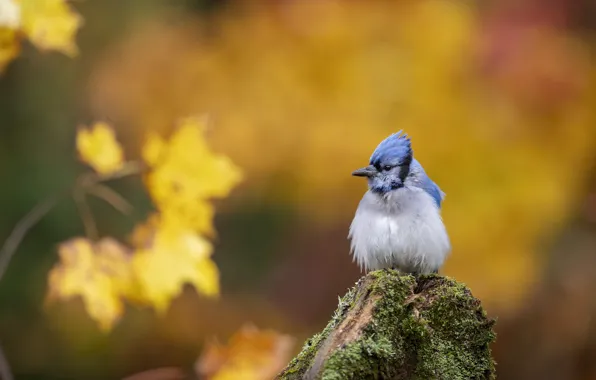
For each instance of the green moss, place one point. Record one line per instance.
(458, 343)
(361, 359)
(430, 327)
(302, 362)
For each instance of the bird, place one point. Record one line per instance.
(398, 222)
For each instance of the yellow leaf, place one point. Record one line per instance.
(142, 236)
(9, 46)
(249, 355)
(186, 174)
(115, 260)
(50, 25)
(98, 273)
(98, 148)
(171, 256)
(152, 149)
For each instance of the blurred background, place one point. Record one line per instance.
(499, 97)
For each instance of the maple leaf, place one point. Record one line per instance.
(99, 149)
(185, 173)
(251, 354)
(169, 250)
(169, 256)
(105, 273)
(50, 24)
(98, 273)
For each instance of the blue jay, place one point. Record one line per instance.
(398, 222)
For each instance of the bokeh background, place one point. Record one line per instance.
(498, 96)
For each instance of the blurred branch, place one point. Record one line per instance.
(20, 230)
(166, 373)
(112, 197)
(5, 371)
(85, 213)
(91, 184)
(129, 169)
(83, 185)
(10, 247)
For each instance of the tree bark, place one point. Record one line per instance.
(394, 326)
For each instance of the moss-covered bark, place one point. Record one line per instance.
(394, 326)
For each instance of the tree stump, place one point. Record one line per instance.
(395, 326)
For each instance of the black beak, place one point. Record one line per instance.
(368, 171)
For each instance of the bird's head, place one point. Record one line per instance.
(389, 164)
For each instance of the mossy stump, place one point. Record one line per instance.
(394, 326)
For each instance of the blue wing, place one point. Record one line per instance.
(425, 183)
(433, 190)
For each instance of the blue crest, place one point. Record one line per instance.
(396, 149)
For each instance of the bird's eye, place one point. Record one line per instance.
(387, 167)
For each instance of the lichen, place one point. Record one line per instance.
(430, 327)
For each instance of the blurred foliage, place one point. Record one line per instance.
(99, 273)
(298, 94)
(169, 250)
(250, 354)
(184, 171)
(48, 24)
(98, 147)
(300, 104)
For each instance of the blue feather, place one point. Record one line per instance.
(433, 190)
(394, 150)
(418, 178)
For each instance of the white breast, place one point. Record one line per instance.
(402, 229)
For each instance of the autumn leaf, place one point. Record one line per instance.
(98, 273)
(169, 256)
(99, 149)
(103, 274)
(184, 174)
(251, 354)
(50, 25)
(170, 249)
